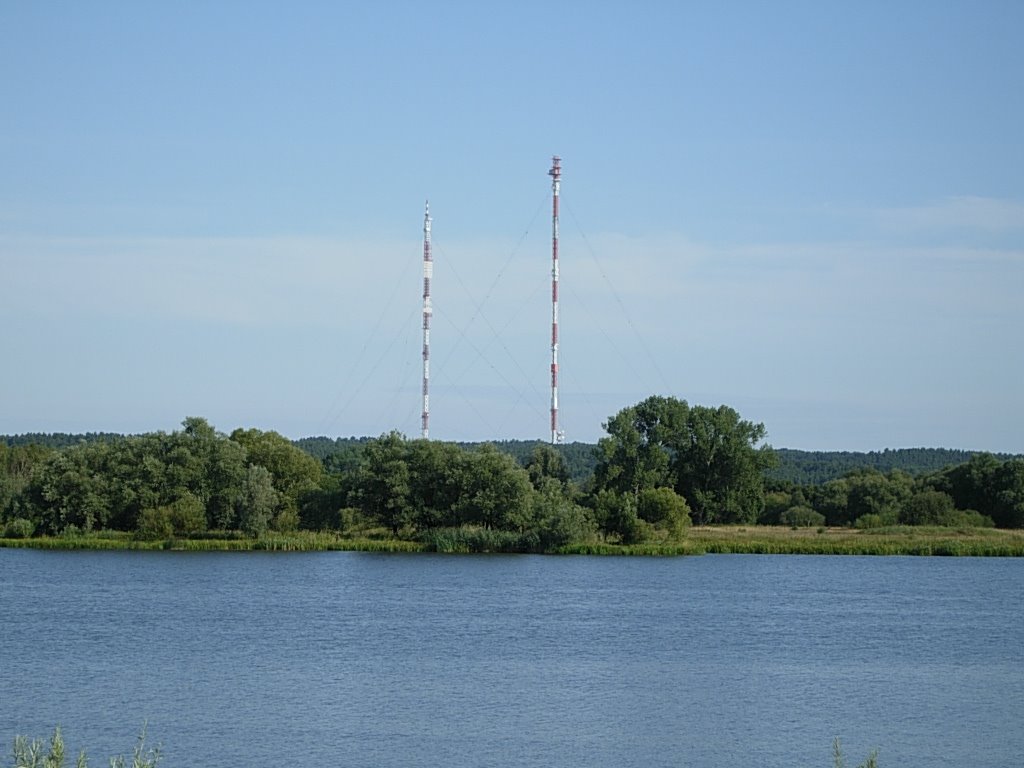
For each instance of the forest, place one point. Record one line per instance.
(663, 466)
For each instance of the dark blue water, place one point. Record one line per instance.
(344, 659)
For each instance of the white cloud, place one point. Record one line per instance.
(250, 282)
(980, 214)
(322, 334)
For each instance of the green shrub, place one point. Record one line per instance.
(286, 521)
(801, 517)
(871, 520)
(154, 524)
(19, 528)
(664, 509)
(617, 515)
(969, 518)
(188, 515)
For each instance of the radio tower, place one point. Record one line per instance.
(428, 272)
(556, 179)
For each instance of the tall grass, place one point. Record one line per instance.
(474, 539)
(34, 753)
(762, 540)
(293, 542)
(37, 754)
(651, 550)
(902, 540)
(838, 761)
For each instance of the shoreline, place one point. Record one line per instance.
(752, 539)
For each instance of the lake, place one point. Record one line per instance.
(356, 659)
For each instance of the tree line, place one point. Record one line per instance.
(663, 465)
(984, 491)
(792, 465)
(818, 467)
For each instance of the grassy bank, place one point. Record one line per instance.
(895, 540)
(899, 540)
(292, 542)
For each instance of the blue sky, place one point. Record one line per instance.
(812, 212)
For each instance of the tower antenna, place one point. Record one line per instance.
(428, 273)
(555, 173)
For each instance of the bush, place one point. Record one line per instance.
(927, 508)
(970, 518)
(154, 524)
(664, 509)
(188, 515)
(19, 528)
(801, 517)
(617, 515)
(873, 520)
(558, 520)
(350, 519)
(286, 521)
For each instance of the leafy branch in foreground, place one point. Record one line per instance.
(34, 753)
(839, 762)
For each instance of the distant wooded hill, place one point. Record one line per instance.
(817, 467)
(798, 467)
(57, 439)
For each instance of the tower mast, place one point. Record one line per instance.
(428, 273)
(556, 179)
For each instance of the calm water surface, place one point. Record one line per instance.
(349, 659)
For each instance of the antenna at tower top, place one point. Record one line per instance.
(557, 436)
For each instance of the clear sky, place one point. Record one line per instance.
(810, 211)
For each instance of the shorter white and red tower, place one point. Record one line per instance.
(428, 273)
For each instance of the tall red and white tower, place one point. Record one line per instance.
(428, 273)
(556, 180)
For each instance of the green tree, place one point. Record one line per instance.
(832, 500)
(258, 501)
(546, 463)
(1008, 482)
(928, 507)
(557, 520)
(637, 453)
(709, 456)
(210, 466)
(617, 516)
(69, 492)
(972, 484)
(155, 524)
(320, 508)
(872, 493)
(718, 467)
(382, 484)
(17, 464)
(775, 503)
(187, 514)
(294, 472)
(437, 481)
(496, 491)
